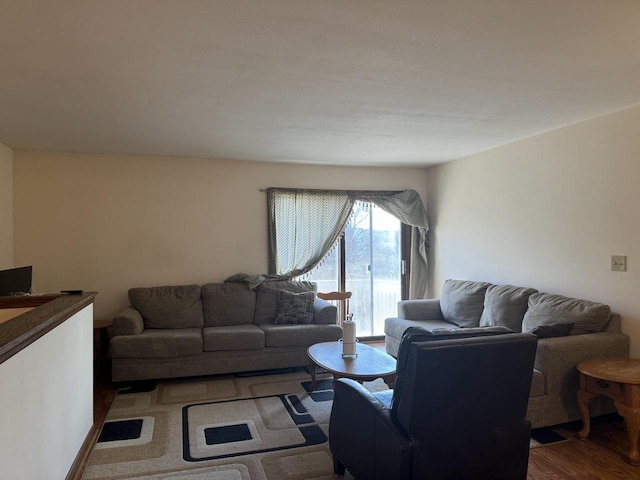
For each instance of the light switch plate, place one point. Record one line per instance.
(618, 263)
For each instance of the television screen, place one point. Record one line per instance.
(15, 280)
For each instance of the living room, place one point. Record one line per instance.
(545, 208)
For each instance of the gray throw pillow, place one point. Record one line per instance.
(505, 305)
(553, 330)
(462, 302)
(295, 308)
(169, 307)
(547, 309)
(267, 298)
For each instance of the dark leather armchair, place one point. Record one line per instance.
(457, 410)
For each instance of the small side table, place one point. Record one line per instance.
(618, 379)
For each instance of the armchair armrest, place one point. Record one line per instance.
(127, 322)
(364, 437)
(423, 309)
(325, 313)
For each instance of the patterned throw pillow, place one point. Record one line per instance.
(295, 308)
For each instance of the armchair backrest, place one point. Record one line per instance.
(463, 403)
(417, 334)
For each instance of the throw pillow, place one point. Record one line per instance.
(295, 308)
(553, 330)
(462, 302)
(267, 298)
(505, 305)
(547, 308)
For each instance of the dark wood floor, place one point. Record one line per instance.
(599, 458)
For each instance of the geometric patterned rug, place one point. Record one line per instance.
(224, 427)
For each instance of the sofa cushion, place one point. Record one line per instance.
(267, 298)
(395, 327)
(553, 330)
(228, 303)
(546, 309)
(462, 302)
(158, 343)
(295, 308)
(169, 307)
(300, 335)
(233, 337)
(505, 306)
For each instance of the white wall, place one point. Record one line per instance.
(6, 207)
(546, 212)
(107, 223)
(46, 406)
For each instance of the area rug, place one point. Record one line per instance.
(224, 427)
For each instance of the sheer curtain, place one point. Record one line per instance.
(304, 225)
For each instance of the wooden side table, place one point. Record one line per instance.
(618, 379)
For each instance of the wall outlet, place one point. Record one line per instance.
(618, 263)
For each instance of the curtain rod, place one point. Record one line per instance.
(320, 190)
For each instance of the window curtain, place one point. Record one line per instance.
(305, 224)
(407, 207)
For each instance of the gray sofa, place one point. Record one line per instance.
(569, 330)
(189, 330)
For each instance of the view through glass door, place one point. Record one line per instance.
(367, 261)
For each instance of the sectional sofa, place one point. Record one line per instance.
(190, 330)
(569, 329)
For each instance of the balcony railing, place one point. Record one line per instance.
(369, 309)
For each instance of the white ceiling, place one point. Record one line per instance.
(357, 82)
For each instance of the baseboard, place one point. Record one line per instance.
(82, 458)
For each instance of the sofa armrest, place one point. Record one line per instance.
(325, 313)
(423, 309)
(363, 436)
(614, 325)
(127, 322)
(558, 357)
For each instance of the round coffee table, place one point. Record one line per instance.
(618, 379)
(369, 363)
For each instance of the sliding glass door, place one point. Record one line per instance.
(367, 261)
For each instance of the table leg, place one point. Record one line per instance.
(583, 404)
(312, 371)
(632, 422)
(390, 380)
